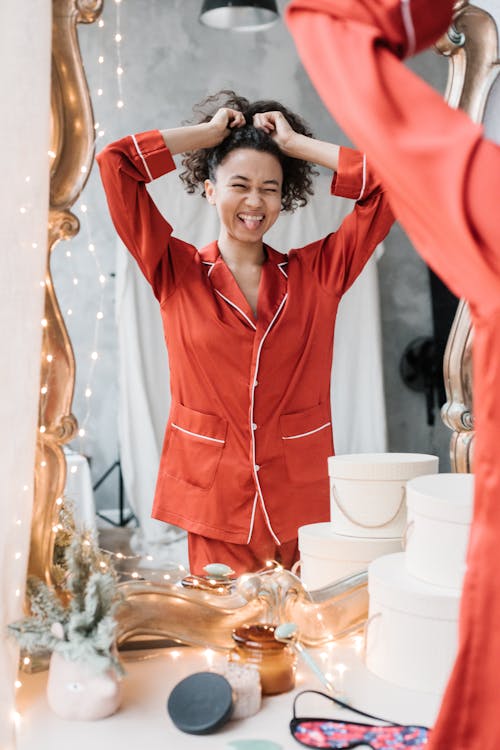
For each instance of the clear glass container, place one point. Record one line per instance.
(276, 662)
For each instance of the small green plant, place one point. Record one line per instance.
(83, 628)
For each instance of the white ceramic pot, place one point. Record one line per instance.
(325, 556)
(368, 491)
(439, 518)
(76, 691)
(412, 630)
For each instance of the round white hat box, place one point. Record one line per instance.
(412, 628)
(326, 557)
(368, 491)
(439, 517)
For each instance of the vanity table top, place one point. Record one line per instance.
(142, 720)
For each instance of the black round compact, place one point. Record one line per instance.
(201, 703)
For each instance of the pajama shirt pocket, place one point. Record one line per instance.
(195, 446)
(307, 442)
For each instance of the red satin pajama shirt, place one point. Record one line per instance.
(443, 180)
(249, 430)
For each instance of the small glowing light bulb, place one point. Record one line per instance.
(75, 281)
(18, 594)
(44, 322)
(81, 432)
(69, 311)
(27, 179)
(95, 355)
(83, 168)
(17, 556)
(119, 104)
(55, 529)
(96, 126)
(52, 154)
(26, 660)
(99, 92)
(74, 469)
(91, 247)
(119, 70)
(25, 488)
(22, 210)
(102, 279)
(18, 684)
(100, 59)
(101, 133)
(88, 392)
(43, 428)
(68, 253)
(83, 208)
(34, 245)
(100, 315)
(49, 357)
(59, 501)
(100, 23)
(135, 575)
(102, 564)
(43, 464)
(118, 38)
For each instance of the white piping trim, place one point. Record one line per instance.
(259, 489)
(197, 434)
(285, 263)
(364, 179)
(304, 434)
(143, 159)
(252, 520)
(208, 263)
(409, 27)
(236, 308)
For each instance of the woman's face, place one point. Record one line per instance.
(247, 194)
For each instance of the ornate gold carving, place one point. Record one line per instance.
(199, 618)
(472, 47)
(72, 141)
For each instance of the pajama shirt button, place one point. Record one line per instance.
(254, 426)
(257, 467)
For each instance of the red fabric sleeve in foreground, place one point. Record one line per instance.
(443, 182)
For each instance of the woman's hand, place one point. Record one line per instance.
(225, 120)
(276, 125)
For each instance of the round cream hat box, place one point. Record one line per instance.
(439, 518)
(326, 557)
(368, 491)
(412, 628)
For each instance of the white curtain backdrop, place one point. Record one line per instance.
(25, 38)
(358, 409)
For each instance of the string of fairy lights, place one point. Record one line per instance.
(49, 356)
(90, 360)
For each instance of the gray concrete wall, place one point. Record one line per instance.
(171, 61)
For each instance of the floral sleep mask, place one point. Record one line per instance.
(339, 734)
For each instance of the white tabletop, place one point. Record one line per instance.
(142, 720)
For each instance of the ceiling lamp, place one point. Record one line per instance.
(239, 15)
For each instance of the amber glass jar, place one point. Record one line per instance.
(256, 644)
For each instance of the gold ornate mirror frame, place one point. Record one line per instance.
(72, 143)
(472, 47)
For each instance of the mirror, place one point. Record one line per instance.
(175, 69)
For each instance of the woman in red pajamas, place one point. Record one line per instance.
(249, 330)
(443, 180)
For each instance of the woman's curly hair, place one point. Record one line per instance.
(202, 164)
